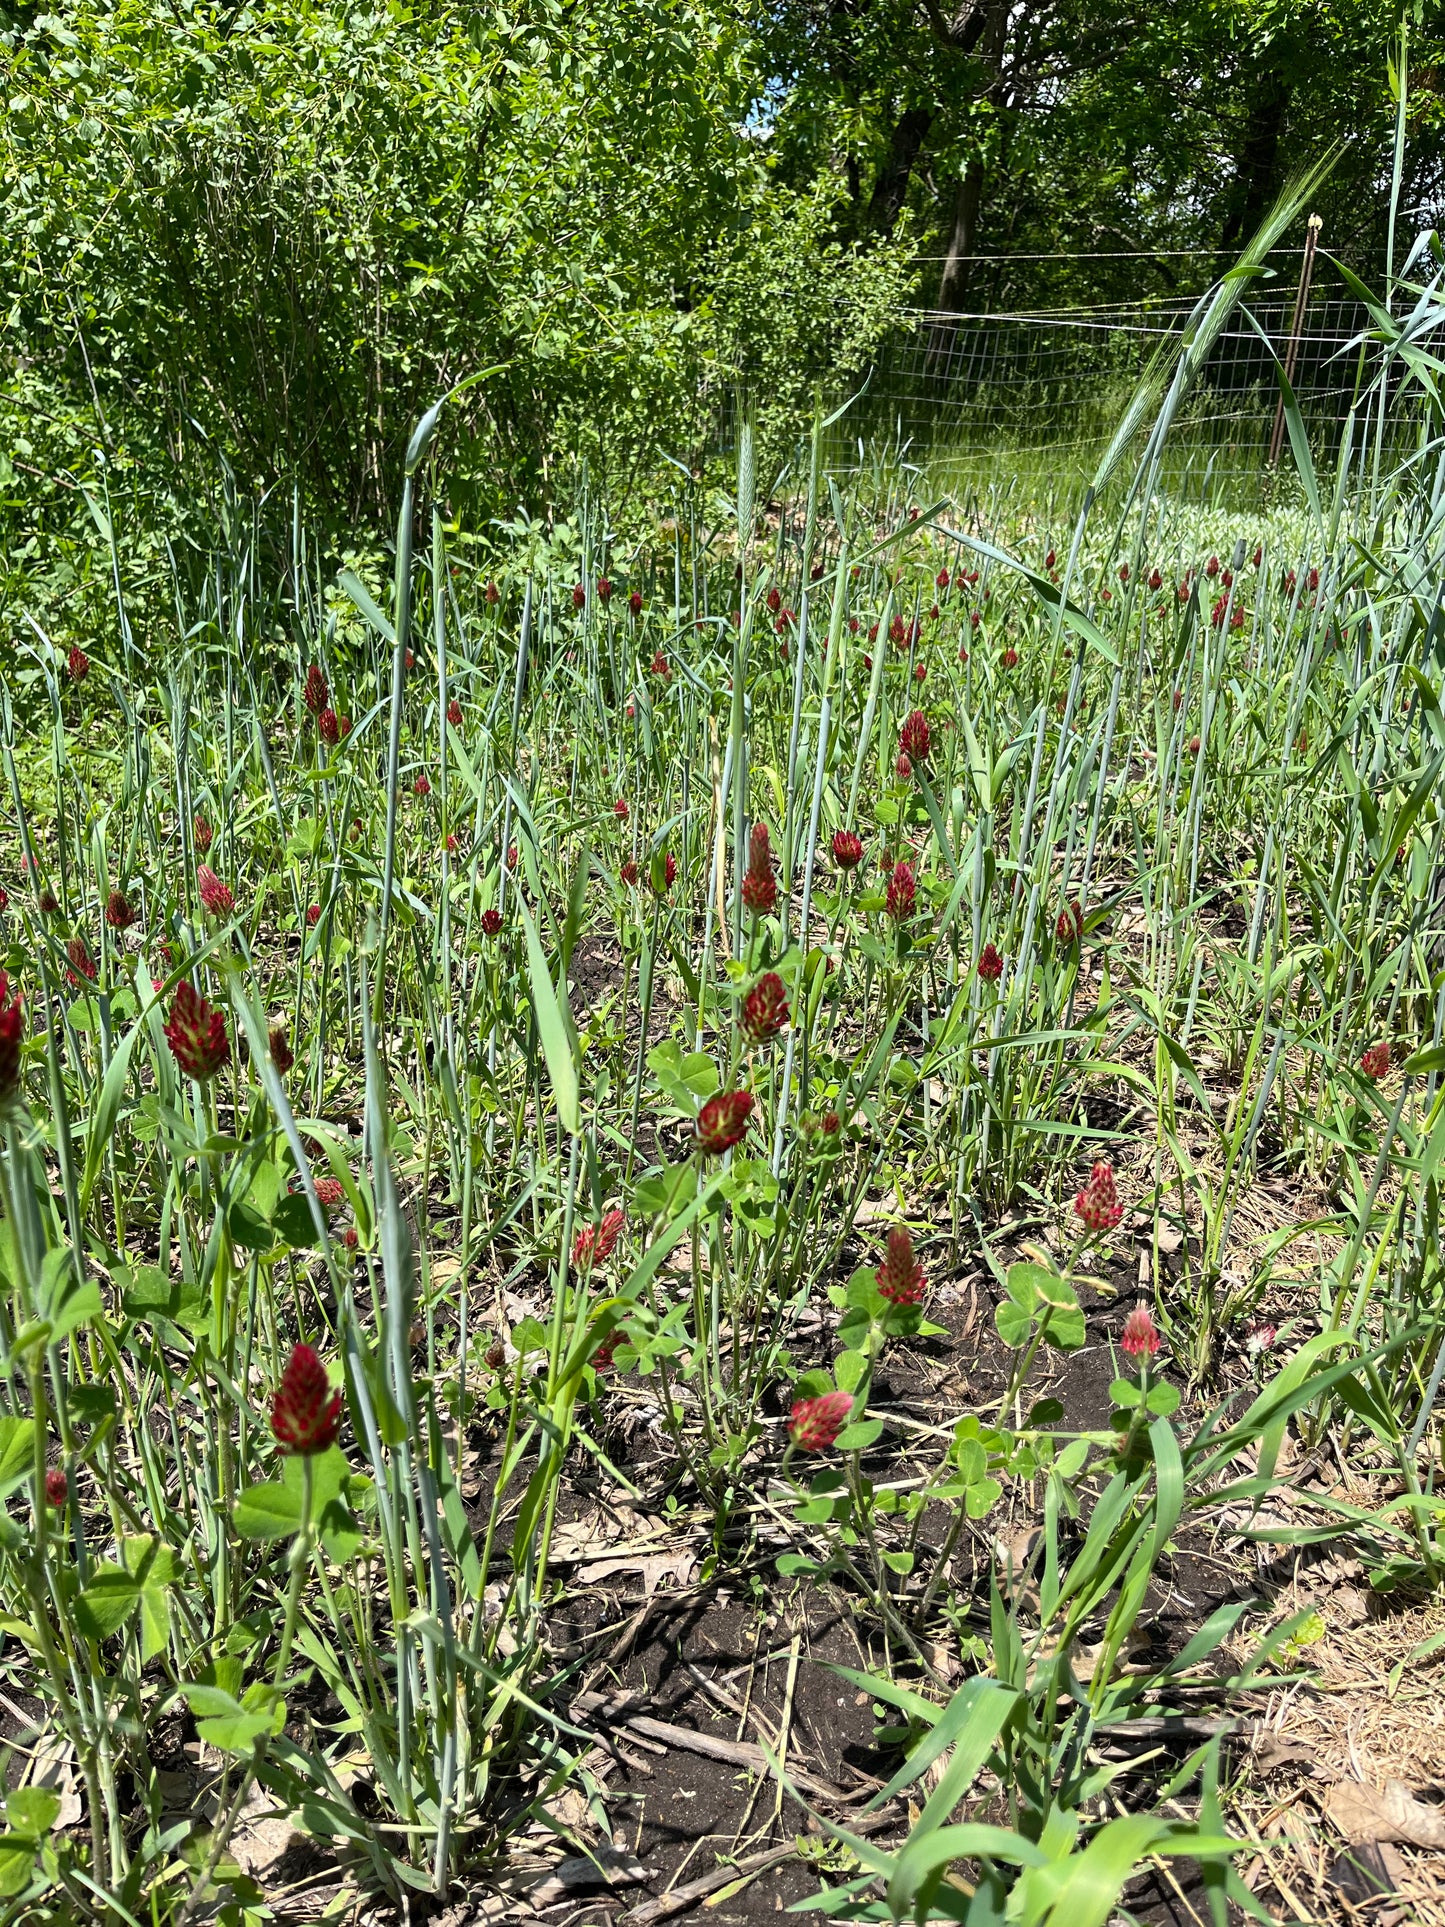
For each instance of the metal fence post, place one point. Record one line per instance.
(1296, 328)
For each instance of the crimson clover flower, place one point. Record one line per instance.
(12, 1030)
(765, 1008)
(990, 964)
(216, 897)
(82, 965)
(315, 695)
(305, 1413)
(196, 1033)
(723, 1122)
(1098, 1203)
(902, 892)
(280, 1048)
(1376, 1061)
(815, 1423)
(1141, 1338)
(760, 886)
(595, 1243)
(900, 1277)
(847, 849)
(915, 739)
(118, 911)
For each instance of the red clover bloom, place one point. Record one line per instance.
(216, 898)
(12, 1029)
(595, 1243)
(723, 1122)
(1141, 1339)
(760, 886)
(902, 892)
(847, 849)
(900, 1277)
(305, 1413)
(196, 1034)
(915, 739)
(765, 1008)
(1098, 1203)
(814, 1423)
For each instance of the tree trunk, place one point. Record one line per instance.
(891, 188)
(957, 266)
(1258, 179)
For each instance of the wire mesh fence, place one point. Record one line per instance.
(1039, 379)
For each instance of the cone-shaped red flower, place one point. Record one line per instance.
(1098, 1203)
(604, 589)
(620, 809)
(628, 873)
(57, 1488)
(82, 965)
(662, 882)
(196, 1034)
(579, 596)
(661, 668)
(902, 892)
(77, 663)
(990, 965)
(454, 713)
(760, 886)
(328, 727)
(1141, 1339)
(316, 695)
(280, 1045)
(1070, 925)
(305, 1413)
(118, 911)
(329, 1193)
(634, 603)
(815, 1422)
(900, 1277)
(203, 834)
(491, 921)
(595, 1243)
(723, 1122)
(847, 849)
(1376, 1061)
(915, 739)
(12, 1029)
(765, 1008)
(216, 898)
